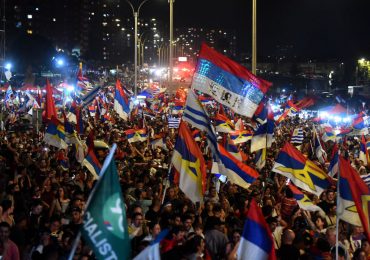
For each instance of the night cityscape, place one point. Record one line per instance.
(195, 130)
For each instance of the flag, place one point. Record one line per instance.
(83, 83)
(136, 135)
(233, 149)
(260, 115)
(297, 136)
(264, 135)
(8, 93)
(366, 179)
(353, 197)
(121, 102)
(236, 171)
(92, 163)
(173, 122)
(227, 82)
(104, 223)
(333, 167)
(256, 241)
(292, 164)
(71, 116)
(196, 115)
(359, 123)
(90, 96)
(363, 151)
(305, 102)
(50, 109)
(55, 134)
(260, 158)
(79, 121)
(196, 135)
(368, 145)
(328, 135)
(319, 151)
(303, 201)
(240, 136)
(159, 142)
(92, 110)
(70, 134)
(223, 124)
(188, 161)
(152, 252)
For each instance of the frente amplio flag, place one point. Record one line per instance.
(189, 162)
(121, 102)
(304, 173)
(55, 134)
(228, 82)
(104, 222)
(353, 188)
(256, 241)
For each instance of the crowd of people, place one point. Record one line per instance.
(43, 200)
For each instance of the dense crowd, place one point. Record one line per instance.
(43, 200)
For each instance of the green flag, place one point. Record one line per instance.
(105, 225)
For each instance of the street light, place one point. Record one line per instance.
(136, 14)
(171, 41)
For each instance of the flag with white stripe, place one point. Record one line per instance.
(173, 122)
(297, 136)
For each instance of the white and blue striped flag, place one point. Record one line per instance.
(174, 122)
(297, 136)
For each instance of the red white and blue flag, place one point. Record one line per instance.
(121, 102)
(256, 241)
(228, 82)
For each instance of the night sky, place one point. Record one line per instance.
(316, 28)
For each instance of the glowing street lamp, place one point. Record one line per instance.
(136, 14)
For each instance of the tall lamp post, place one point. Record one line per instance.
(171, 42)
(136, 14)
(254, 37)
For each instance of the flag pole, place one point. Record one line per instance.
(102, 171)
(167, 182)
(337, 220)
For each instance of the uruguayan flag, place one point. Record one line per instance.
(297, 137)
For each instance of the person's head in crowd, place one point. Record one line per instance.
(178, 234)
(323, 246)
(37, 207)
(167, 207)
(288, 237)
(213, 222)
(154, 229)
(7, 207)
(136, 209)
(319, 221)
(55, 224)
(330, 196)
(267, 210)
(176, 220)
(273, 222)
(330, 235)
(359, 254)
(365, 246)
(4, 232)
(195, 246)
(171, 194)
(76, 213)
(209, 206)
(137, 219)
(188, 222)
(236, 235)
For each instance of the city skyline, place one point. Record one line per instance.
(320, 29)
